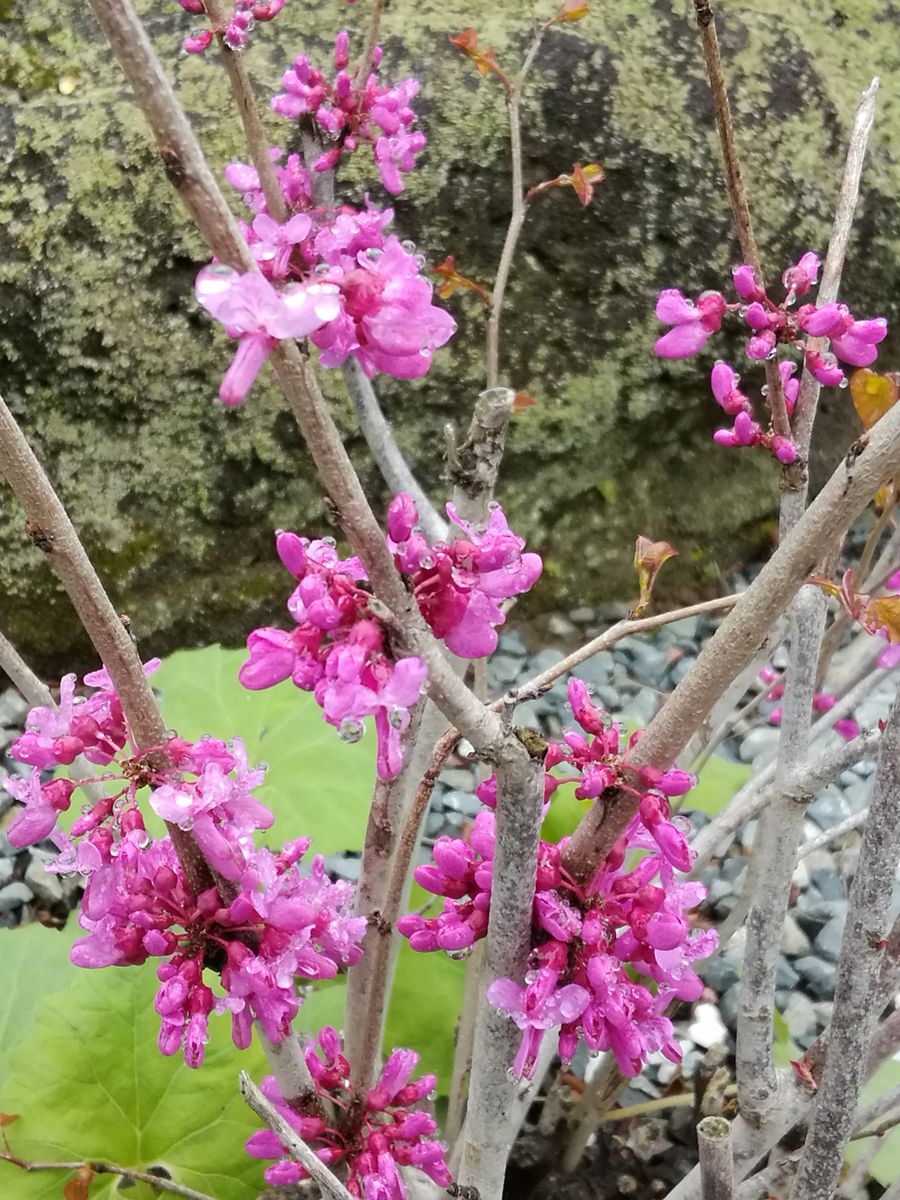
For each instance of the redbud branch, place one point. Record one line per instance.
(371, 40)
(389, 458)
(489, 1132)
(329, 1183)
(832, 269)
(776, 855)
(716, 1158)
(737, 191)
(52, 530)
(257, 142)
(735, 642)
(868, 1113)
(855, 1011)
(33, 690)
(517, 217)
(796, 1100)
(475, 464)
(160, 1183)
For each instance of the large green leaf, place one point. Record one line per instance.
(425, 1005)
(317, 785)
(34, 961)
(89, 1082)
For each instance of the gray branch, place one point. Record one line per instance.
(379, 435)
(776, 856)
(489, 1128)
(329, 1183)
(855, 998)
(716, 1159)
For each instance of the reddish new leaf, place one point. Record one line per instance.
(7, 1119)
(804, 1074)
(583, 180)
(648, 559)
(522, 400)
(79, 1187)
(451, 280)
(484, 60)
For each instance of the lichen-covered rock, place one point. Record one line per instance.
(113, 369)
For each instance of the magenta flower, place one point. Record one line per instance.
(799, 278)
(259, 316)
(535, 1009)
(384, 1131)
(693, 323)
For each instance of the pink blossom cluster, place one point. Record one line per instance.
(244, 15)
(371, 1136)
(335, 277)
(350, 116)
(589, 944)
(823, 702)
(771, 324)
(459, 585)
(337, 650)
(274, 923)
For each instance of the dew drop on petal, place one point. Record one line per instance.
(844, 382)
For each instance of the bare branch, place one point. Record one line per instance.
(735, 642)
(855, 1010)
(808, 397)
(389, 459)
(475, 464)
(716, 1159)
(488, 1133)
(776, 856)
(329, 1183)
(33, 690)
(159, 1182)
(257, 142)
(517, 217)
(833, 833)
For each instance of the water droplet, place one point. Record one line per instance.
(408, 246)
(772, 355)
(262, 766)
(511, 1075)
(395, 718)
(183, 800)
(764, 390)
(322, 269)
(426, 562)
(329, 541)
(142, 839)
(844, 382)
(420, 261)
(114, 850)
(351, 731)
(85, 809)
(120, 805)
(373, 254)
(460, 955)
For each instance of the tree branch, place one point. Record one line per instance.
(394, 469)
(776, 858)
(735, 642)
(329, 1183)
(488, 1133)
(159, 1182)
(716, 1159)
(855, 1010)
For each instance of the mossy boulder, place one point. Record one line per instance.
(113, 368)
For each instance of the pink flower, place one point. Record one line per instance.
(693, 324)
(746, 284)
(535, 1009)
(724, 380)
(800, 278)
(253, 311)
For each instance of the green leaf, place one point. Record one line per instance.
(34, 961)
(89, 1082)
(783, 1049)
(317, 786)
(886, 1167)
(425, 1006)
(720, 779)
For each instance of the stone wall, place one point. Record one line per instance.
(113, 368)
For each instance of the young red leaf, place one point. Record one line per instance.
(883, 613)
(648, 558)
(572, 10)
(451, 280)
(484, 60)
(522, 400)
(79, 1187)
(804, 1074)
(7, 1119)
